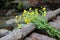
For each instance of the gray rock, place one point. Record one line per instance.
(14, 35)
(51, 14)
(19, 33)
(58, 17)
(36, 36)
(54, 1)
(9, 23)
(27, 29)
(10, 12)
(55, 24)
(4, 32)
(26, 4)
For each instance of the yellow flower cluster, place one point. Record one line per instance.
(28, 16)
(44, 9)
(16, 17)
(27, 21)
(30, 9)
(18, 25)
(31, 13)
(24, 11)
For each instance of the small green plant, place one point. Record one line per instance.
(33, 16)
(20, 5)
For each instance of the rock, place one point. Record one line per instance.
(34, 2)
(55, 24)
(14, 35)
(9, 13)
(28, 38)
(4, 32)
(27, 29)
(23, 5)
(36, 36)
(51, 14)
(58, 17)
(9, 23)
(54, 1)
(26, 4)
(19, 33)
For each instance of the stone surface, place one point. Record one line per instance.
(14, 35)
(19, 33)
(54, 1)
(51, 14)
(27, 29)
(4, 32)
(9, 12)
(58, 17)
(36, 36)
(55, 25)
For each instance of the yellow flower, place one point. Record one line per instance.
(30, 8)
(28, 22)
(28, 19)
(36, 9)
(19, 26)
(44, 13)
(32, 13)
(44, 9)
(16, 17)
(24, 11)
